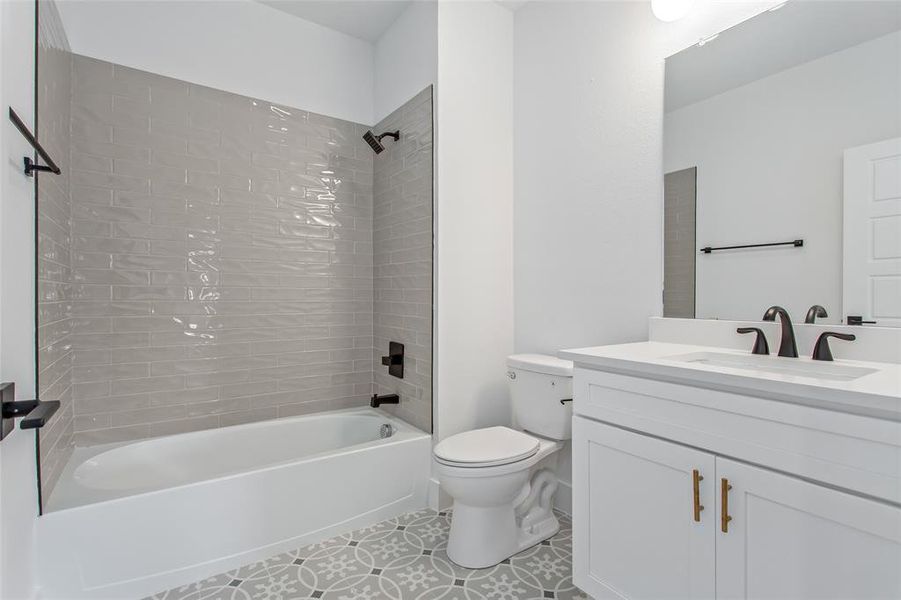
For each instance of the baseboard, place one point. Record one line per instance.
(438, 499)
(563, 499)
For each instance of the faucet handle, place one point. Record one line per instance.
(760, 344)
(821, 350)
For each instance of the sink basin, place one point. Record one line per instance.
(775, 365)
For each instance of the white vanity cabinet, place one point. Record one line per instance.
(634, 533)
(790, 538)
(674, 498)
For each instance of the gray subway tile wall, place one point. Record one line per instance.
(223, 258)
(208, 259)
(54, 267)
(402, 246)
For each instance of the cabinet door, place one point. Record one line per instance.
(792, 539)
(634, 528)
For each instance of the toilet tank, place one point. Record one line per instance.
(537, 385)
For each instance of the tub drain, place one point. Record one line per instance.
(386, 431)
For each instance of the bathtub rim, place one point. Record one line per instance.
(405, 432)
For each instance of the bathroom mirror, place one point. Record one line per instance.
(782, 162)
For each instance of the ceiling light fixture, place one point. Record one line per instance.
(671, 10)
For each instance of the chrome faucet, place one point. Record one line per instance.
(788, 347)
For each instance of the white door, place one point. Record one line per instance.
(790, 539)
(635, 531)
(871, 274)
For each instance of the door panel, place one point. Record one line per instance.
(790, 539)
(872, 233)
(633, 517)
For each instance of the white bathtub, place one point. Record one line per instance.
(128, 520)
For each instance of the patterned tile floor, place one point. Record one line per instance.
(399, 559)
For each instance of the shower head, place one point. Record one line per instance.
(375, 141)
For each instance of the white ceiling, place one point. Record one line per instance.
(774, 41)
(363, 19)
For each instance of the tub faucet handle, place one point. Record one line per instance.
(395, 359)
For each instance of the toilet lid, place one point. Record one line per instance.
(486, 447)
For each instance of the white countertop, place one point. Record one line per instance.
(874, 395)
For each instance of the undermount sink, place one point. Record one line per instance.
(776, 365)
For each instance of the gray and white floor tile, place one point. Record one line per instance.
(400, 559)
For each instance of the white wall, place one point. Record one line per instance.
(239, 46)
(588, 169)
(406, 58)
(769, 158)
(18, 484)
(588, 165)
(474, 236)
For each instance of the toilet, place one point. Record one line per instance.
(502, 479)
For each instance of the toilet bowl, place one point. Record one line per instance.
(489, 512)
(502, 480)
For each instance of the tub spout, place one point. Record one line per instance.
(377, 400)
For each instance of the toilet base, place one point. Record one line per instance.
(538, 532)
(483, 536)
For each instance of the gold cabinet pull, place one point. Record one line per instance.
(696, 479)
(724, 517)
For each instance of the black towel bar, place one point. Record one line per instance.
(795, 243)
(30, 165)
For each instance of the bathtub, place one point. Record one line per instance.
(128, 520)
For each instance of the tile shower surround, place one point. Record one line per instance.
(402, 244)
(54, 268)
(223, 257)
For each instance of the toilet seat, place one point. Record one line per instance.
(488, 447)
